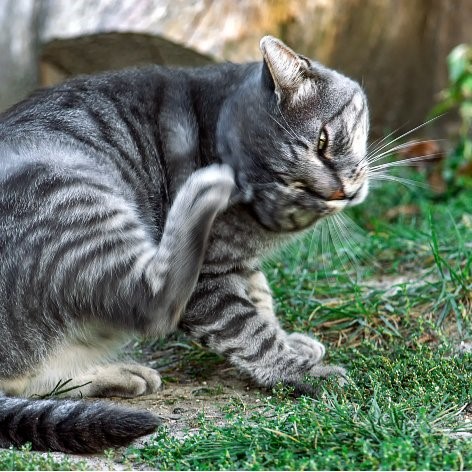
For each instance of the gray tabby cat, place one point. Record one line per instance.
(141, 202)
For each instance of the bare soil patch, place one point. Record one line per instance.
(196, 384)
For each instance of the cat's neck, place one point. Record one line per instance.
(211, 88)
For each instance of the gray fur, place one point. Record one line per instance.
(142, 201)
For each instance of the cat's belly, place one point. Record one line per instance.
(78, 352)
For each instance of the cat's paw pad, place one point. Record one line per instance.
(306, 346)
(124, 380)
(212, 186)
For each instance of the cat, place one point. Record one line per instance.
(141, 202)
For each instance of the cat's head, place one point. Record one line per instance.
(296, 134)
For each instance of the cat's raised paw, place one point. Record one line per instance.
(211, 187)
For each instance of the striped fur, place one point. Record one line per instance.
(142, 201)
(70, 426)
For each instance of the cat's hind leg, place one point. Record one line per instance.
(75, 371)
(119, 380)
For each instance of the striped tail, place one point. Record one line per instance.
(71, 426)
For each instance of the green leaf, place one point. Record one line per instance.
(466, 86)
(465, 111)
(458, 61)
(442, 107)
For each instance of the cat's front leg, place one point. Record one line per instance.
(260, 294)
(227, 316)
(173, 272)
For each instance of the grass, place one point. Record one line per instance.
(25, 459)
(399, 340)
(396, 327)
(395, 415)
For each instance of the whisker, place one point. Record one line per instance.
(316, 229)
(358, 234)
(401, 180)
(357, 240)
(418, 160)
(315, 250)
(409, 132)
(385, 138)
(325, 237)
(347, 242)
(335, 234)
(373, 158)
(294, 134)
(280, 124)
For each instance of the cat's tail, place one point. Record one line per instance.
(70, 426)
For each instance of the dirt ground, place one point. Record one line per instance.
(195, 385)
(179, 407)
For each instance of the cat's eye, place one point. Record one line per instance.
(322, 141)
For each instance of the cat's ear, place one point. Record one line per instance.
(286, 68)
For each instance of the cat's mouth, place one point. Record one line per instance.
(282, 207)
(338, 204)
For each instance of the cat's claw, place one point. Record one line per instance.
(327, 371)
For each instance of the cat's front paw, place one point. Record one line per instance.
(306, 346)
(313, 352)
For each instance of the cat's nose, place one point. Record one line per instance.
(337, 195)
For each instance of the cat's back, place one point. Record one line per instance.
(95, 128)
(84, 103)
(139, 131)
(138, 92)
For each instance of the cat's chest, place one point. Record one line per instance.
(237, 238)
